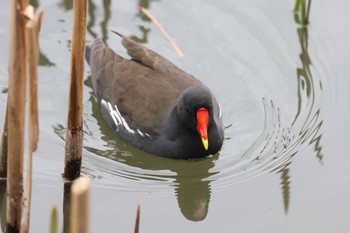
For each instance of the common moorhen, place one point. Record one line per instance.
(152, 104)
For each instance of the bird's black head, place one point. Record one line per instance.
(194, 109)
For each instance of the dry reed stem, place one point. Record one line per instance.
(4, 138)
(39, 20)
(32, 53)
(137, 222)
(23, 4)
(74, 131)
(79, 212)
(54, 220)
(32, 56)
(16, 112)
(3, 148)
(66, 205)
(156, 22)
(2, 203)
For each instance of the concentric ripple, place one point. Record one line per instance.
(271, 106)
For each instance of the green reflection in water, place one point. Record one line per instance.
(44, 60)
(145, 4)
(144, 30)
(306, 84)
(285, 183)
(193, 191)
(144, 37)
(67, 5)
(191, 182)
(34, 3)
(103, 24)
(91, 19)
(312, 124)
(302, 12)
(3, 204)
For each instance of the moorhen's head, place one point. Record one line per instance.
(194, 109)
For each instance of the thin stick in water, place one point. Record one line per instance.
(156, 22)
(137, 222)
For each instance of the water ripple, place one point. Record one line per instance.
(271, 114)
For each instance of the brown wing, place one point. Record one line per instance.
(146, 56)
(144, 88)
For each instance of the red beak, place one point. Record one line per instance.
(202, 125)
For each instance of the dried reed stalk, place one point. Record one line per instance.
(2, 203)
(3, 149)
(137, 222)
(54, 220)
(79, 212)
(74, 132)
(162, 30)
(66, 205)
(32, 55)
(4, 139)
(16, 112)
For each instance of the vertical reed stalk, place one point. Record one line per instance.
(74, 133)
(308, 12)
(3, 149)
(2, 205)
(54, 220)
(137, 222)
(16, 111)
(79, 215)
(302, 11)
(66, 206)
(32, 56)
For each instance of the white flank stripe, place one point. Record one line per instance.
(116, 111)
(119, 120)
(142, 134)
(115, 114)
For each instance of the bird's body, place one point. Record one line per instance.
(140, 100)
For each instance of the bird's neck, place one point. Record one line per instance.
(172, 125)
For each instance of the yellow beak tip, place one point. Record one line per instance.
(205, 143)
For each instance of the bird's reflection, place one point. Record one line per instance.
(193, 195)
(192, 179)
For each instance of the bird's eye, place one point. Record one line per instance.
(188, 110)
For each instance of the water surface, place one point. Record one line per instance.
(284, 94)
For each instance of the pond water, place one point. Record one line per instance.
(284, 92)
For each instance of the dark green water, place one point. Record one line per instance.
(284, 91)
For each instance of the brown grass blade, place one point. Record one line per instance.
(156, 22)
